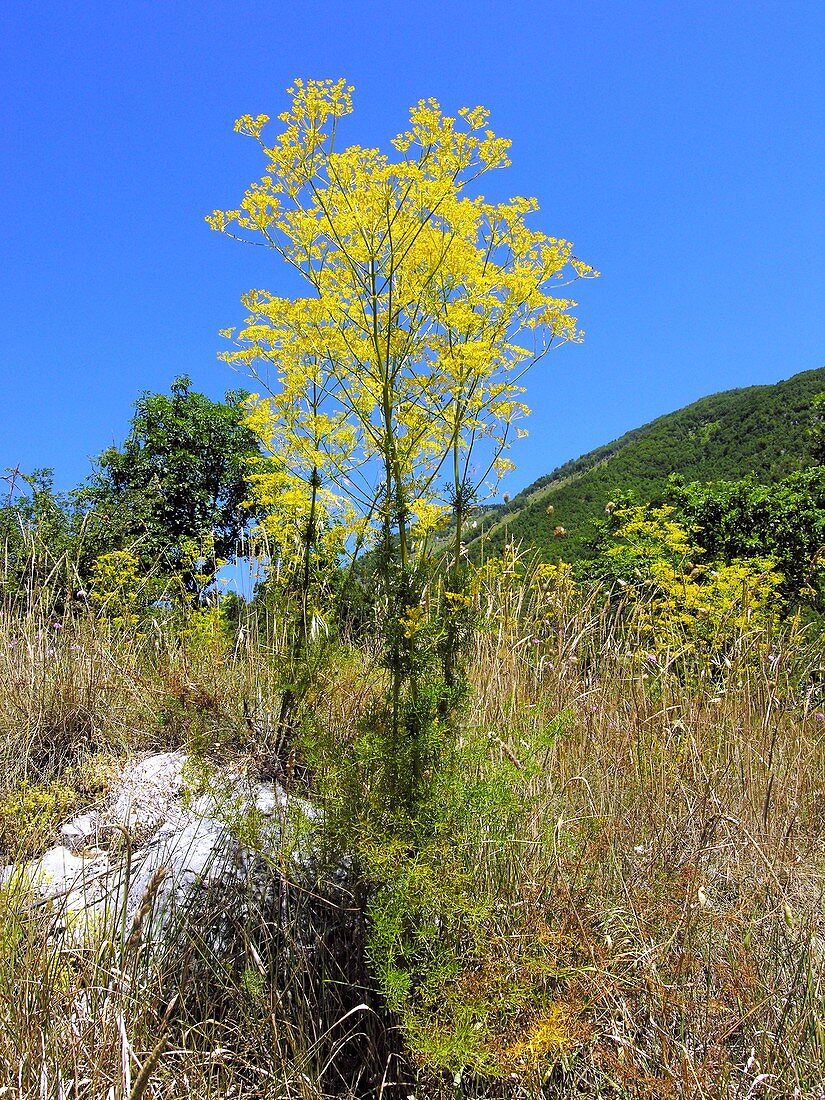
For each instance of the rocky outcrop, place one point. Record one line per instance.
(168, 832)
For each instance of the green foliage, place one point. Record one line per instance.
(176, 493)
(173, 501)
(749, 519)
(468, 975)
(47, 541)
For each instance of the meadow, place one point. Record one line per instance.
(610, 884)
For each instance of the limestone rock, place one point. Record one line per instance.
(158, 845)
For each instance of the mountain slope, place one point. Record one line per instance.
(760, 430)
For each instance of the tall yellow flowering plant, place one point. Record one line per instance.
(395, 383)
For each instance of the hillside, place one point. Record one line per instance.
(759, 430)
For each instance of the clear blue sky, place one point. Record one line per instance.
(680, 146)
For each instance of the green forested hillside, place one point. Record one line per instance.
(759, 431)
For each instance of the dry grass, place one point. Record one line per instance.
(281, 1007)
(674, 849)
(275, 1008)
(679, 839)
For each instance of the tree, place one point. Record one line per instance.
(46, 542)
(178, 487)
(750, 519)
(395, 383)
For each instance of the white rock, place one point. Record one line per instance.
(56, 871)
(147, 791)
(266, 799)
(80, 831)
(230, 840)
(271, 799)
(193, 855)
(60, 872)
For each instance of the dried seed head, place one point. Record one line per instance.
(145, 907)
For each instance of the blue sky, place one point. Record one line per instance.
(680, 146)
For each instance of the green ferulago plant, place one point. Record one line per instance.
(394, 383)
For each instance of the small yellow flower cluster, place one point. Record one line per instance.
(115, 587)
(554, 1032)
(684, 607)
(413, 621)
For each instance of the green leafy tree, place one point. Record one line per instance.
(47, 541)
(750, 519)
(394, 385)
(177, 489)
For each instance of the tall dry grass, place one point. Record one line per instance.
(677, 844)
(280, 1003)
(671, 851)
